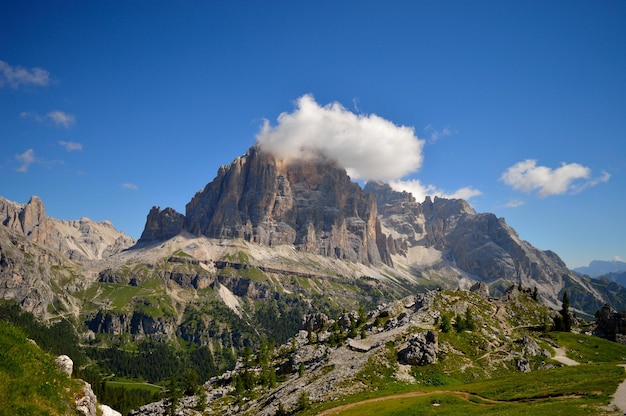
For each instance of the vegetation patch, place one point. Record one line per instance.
(30, 382)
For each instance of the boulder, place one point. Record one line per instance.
(422, 349)
(65, 364)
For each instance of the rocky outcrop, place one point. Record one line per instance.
(481, 289)
(314, 322)
(86, 404)
(611, 324)
(162, 225)
(422, 349)
(135, 323)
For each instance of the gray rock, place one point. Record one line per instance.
(86, 404)
(481, 289)
(523, 365)
(314, 322)
(65, 364)
(422, 349)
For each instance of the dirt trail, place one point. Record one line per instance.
(619, 398)
(560, 356)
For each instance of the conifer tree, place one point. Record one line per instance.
(565, 316)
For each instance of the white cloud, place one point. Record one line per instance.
(420, 191)
(367, 146)
(56, 117)
(435, 135)
(130, 186)
(26, 159)
(514, 203)
(16, 76)
(526, 176)
(59, 117)
(70, 146)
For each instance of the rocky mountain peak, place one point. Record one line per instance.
(310, 204)
(33, 214)
(162, 224)
(22, 218)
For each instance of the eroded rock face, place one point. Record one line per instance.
(26, 272)
(135, 323)
(312, 205)
(162, 224)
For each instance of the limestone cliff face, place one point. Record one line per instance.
(79, 240)
(29, 272)
(312, 205)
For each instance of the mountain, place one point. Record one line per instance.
(617, 277)
(601, 267)
(310, 205)
(314, 207)
(79, 240)
(43, 260)
(267, 243)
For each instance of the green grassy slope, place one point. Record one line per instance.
(30, 382)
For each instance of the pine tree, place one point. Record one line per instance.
(565, 316)
(470, 324)
(445, 324)
(303, 401)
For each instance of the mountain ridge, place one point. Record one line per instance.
(314, 206)
(598, 268)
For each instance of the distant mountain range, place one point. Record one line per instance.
(598, 268)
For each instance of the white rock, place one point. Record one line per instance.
(107, 411)
(65, 364)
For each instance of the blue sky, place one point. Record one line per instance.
(109, 108)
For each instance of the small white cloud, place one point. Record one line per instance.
(61, 118)
(435, 135)
(71, 146)
(31, 115)
(56, 117)
(420, 191)
(16, 76)
(366, 146)
(130, 186)
(526, 176)
(618, 258)
(26, 159)
(514, 203)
